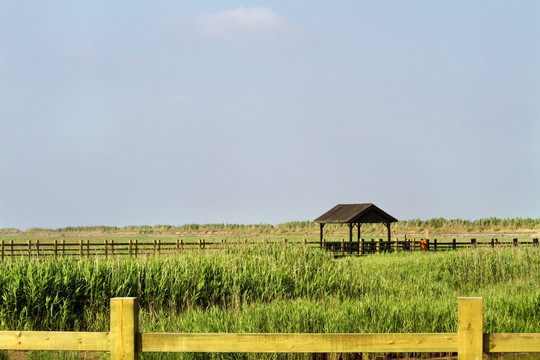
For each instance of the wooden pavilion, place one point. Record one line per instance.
(354, 215)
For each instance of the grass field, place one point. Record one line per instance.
(277, 288)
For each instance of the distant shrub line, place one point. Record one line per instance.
(415, 225)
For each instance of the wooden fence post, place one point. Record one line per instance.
(63, 248)
(11, 246)
(379, 246)
(55, 249)
(397, 245)
(80, 248)
(136, 247)
(454, 245)
(470, 328)
(434, 244)
(342, 247)
(2, 250)
(130, 247)
(124, 328)
(515, 242)
(37, 249)
(29, 249)
(106, 250)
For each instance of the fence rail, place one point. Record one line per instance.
(134, 248)
(124, 341)
(363, 246)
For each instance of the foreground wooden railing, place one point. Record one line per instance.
(124, 341)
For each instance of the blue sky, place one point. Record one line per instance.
(175, 112)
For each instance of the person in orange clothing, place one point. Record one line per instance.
(423, 244)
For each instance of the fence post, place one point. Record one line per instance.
(106, 250)
(136, 247)
(55, 249)
(37, 249)
(29, 249)
(80, 249)
(379, 246)
(342, 247)
(124, 328)
(470, 328)
(535, 242)
(473, 243)
(130, 248)
(434, 244)
(2, 250)
(515, 242)
(454, 245)
(63, 248)
(11, 246)
(397, 245)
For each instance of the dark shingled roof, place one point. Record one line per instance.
(355, 213)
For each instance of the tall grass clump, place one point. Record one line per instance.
(277, 288)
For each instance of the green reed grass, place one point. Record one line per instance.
(276, 288)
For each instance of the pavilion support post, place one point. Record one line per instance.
(389, 233)
(322, 235)
(350, 237)
(358, 239)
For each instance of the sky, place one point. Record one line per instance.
(174, 112)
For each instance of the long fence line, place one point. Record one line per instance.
(135, 248)
(125, 342)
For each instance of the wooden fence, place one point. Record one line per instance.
(111, 248)
(124, 341)
(363, 247)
